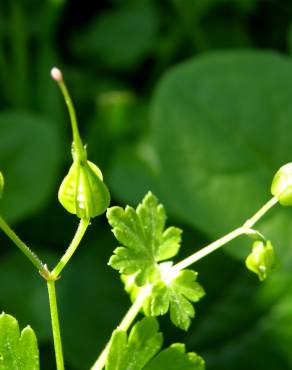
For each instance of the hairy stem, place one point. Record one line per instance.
(82, 227)
(55, 324)
(23, 247)
(124, 324)
(245, 229)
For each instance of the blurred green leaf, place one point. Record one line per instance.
(17, 350)
(220, 131)
(47, 96)
(231, 332)
(200, 8)
(120, 38)
(29, 160)
(212, 134)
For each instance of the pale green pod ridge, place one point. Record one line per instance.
(282, 185)
(83, 191)
(262, 260)
(1, 184)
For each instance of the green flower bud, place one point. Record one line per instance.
(282, 185)
(262, 260)
(83, 192)
(1, 185)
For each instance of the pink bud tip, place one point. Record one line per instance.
(56, 74)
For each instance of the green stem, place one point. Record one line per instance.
(82, 227)
(76, 136)
(208, 249)
(55, 324)
(124, 324)
(259, 214)
(23, 247)
(245, 229)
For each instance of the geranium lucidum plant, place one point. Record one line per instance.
(155, 283)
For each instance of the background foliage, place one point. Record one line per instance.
(189, 99)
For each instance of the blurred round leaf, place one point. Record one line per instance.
(29, 159)
(120, 38)
(221, 127)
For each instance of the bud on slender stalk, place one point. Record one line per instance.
(56, 74)
(82, 191)
(262, 260)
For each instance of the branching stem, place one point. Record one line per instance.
(245, 229)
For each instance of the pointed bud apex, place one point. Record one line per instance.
(282, 185)
(1, 185)
(56, 74)
(262, 260)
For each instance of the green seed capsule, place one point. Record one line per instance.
(83, 192)
(282, 185)
(1, 185)
(262, 260)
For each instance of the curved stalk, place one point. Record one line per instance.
(82, 227)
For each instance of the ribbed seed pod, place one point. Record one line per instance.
(83, 191)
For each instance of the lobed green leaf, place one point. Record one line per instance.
(175, 358)
(171, 291)
(143, 343)
(17, 350)
(133, 353)
(144, 238)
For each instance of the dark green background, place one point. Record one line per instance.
(191, 99)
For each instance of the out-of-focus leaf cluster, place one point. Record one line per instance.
(206, 139)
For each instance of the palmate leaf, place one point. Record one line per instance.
(138, 350)
(172, 291)
(18, 351)
(144, 238)
(146, 242)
